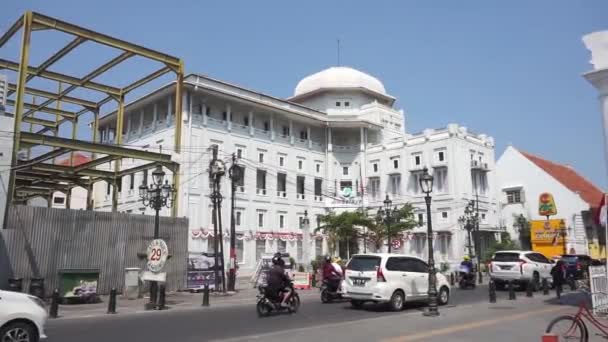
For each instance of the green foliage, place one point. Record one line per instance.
(379, 231)
(338, 227)
(301, 268)
(444, 267)
(505, 244)
(523, 227)
(316, 263)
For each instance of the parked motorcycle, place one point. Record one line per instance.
(330, 292)
(466, 277)
(267, 304)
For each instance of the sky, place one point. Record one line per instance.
(509, 69)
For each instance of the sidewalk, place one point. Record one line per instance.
(174, 301)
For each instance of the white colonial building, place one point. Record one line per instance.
(337, 144)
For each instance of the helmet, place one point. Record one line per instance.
(276, 260)
(327, 258)
(467, 258)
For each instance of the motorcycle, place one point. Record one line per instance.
(466, 278)
(267, 304)
(329, 292)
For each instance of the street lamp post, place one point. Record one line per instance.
(156, 196)
(306, 240)
(235, 174)
(467, 222)
(562, 231)
(385, 215)
(426, 184)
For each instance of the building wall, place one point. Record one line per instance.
(515, 171)
(6, 153)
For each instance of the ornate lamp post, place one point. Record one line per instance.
(306, 240)
(467, 221)
(386, 216)
(156, 196)
(563, 233)
(235, 173)
(426, 184)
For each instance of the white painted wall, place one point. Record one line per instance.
(6, 151)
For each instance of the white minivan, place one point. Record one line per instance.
(390, 278)
(22, 317)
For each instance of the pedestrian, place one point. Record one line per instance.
(558, 272)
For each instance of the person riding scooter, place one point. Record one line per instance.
(332, 275)
(466, 272)
(278, 281)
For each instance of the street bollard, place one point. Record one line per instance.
(529, 289)
(54, 309)
(545, 287)
(206, 295)
(511, 291)
(480, 278)
(452, 277)
(161, 298)
(112, 302)
(492, 287)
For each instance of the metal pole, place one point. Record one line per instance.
(388, 229)
(232, 275)
(156, 202)
(221, 233)
(478, 237)
(215, 235)
(432, 291)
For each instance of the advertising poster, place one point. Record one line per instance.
(200, 271)
(81, 285)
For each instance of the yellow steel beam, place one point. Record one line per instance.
(105, 39)
(79, 145)
(48, 110)
(175, 206)
(50, 95)
(36, 121)
(137, 169)
(120, 113)
(158, 73)
(95, 124)
(55, 76)
(70, 171)
(105, 67)
(11, 31)
(94, 163)
(41, 158)
(178, 107)
(20, 98)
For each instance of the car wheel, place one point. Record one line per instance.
(443, 297)
(357, 304)
(19, 332)
(397, 301)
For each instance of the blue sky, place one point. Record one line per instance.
(510, 69)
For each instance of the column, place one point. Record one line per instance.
(204, 108)
(140, 129)
(272, 126)
(128, 127)
(362, 137)
(169, 106)
(308, 137)
(107, 135)
(251, 126)
(229, 117)
(291, 138)
(329, 144)
(155, 116)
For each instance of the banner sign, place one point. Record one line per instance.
(200, 271)
(301, 280)
(546, 205)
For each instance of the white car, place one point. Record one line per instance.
(390, 278)
(520, 267)
(22, 317)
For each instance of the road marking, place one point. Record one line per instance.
(469, 326)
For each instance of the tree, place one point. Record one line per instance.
(338, 227)
(378, 231)
(523, 227)
(505, 244)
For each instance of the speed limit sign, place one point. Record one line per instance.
(157, 255)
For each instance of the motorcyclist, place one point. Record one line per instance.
(331, 276)
(278, 281)
(468, 264)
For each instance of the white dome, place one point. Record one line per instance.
(339, 77)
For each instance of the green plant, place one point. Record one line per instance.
(505, 244)
(378, 231)
(316, 263)
(292, 262)
(444, 267)
(301, 268)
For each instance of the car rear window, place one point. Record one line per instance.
(364, 263)
(569, 259)
(506, 257)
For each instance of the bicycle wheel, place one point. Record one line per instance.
(568, 328)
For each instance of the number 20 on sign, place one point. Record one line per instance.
(157, 255)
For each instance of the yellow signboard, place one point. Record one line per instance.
(546, 237)
(546, 205)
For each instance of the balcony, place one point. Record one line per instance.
(440, 163)
(346, 148)
(216, 123)
(281, 194)
(301, 197)
(261, 192)
(240, 128)
(481, 166)
(416, 168)
(262, 134)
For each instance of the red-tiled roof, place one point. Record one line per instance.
(569, 178)
(78, 159)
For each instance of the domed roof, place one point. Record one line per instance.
(339, 77)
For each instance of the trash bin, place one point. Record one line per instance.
(132, 282)
(37, 287)
(15, 284)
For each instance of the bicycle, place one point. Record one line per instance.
(575, 327)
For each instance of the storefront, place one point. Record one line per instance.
(547, 237)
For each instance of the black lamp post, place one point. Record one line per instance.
(156, 196)
(386, 216)
(426, 184)
(235, 173)
(563, 233)
(467, 221)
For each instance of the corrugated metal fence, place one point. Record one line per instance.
(42, 241)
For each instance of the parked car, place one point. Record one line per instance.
(22, 317)
(577, 265)
(520, 267)
(390, 278)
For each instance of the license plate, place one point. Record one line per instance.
(359, 281)
(506, 267)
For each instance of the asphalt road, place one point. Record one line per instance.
(207, 324)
